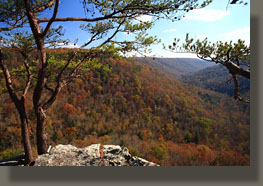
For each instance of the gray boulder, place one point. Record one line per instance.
(93, 155)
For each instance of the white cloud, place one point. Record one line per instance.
(166, 54)
(169, 54)
(162, 54)
(62, 45)
(144, 18)
(234, 35)
(206, 15)
(170, 30)
(71, 45)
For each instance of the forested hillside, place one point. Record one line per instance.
(123, 102)
(217, 78)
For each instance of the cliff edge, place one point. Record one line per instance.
(93, 155)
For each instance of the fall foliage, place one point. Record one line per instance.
(120, 101)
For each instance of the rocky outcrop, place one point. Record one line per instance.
(93, 155)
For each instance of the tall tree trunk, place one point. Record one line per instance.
(41, 53)
(41, 136)
(20, 106)
(25, 133)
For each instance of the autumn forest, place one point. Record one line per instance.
(128, 103)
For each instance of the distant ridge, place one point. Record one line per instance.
(175, 67)
(216, 78)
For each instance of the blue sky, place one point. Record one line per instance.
(216, 21)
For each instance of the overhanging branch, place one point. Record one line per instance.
(17, 24)
(52, 18)
(44, 7)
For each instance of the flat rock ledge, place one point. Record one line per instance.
(93, 155)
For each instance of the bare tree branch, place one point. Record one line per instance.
(53, 97)
(48, 88)
(11, 27)
(44, 7)
(52, 18)
(61, 83)
(228, 54)
(29, 77)
(58, 79)
(76, 69)
(15, 25)
(112, 36)
(109, 16)
(8, 81)
(42, 20)
(91, 40)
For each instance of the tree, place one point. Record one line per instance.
(104, 19)
(23, 44)
(20, 105)
(234, 56)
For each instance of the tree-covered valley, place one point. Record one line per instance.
(124, 102)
